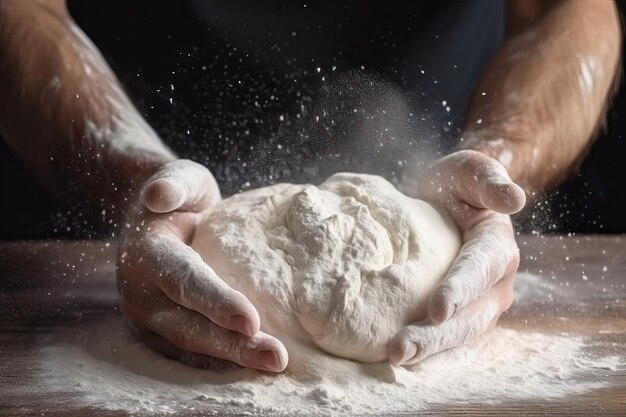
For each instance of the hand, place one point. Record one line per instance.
(169, 294)
(478, 194)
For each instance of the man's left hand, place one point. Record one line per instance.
(479, 195)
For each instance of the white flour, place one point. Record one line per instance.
(104, 366)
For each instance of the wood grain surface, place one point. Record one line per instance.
(50, 287)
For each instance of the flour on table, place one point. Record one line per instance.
(342, 266)
(103, 366)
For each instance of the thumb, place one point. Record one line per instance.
(483, 182)
(496, 190)
(180, 185)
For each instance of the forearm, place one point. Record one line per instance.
(544, 94)
(64, 113)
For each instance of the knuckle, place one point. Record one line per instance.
(234, 350)
(184, 338)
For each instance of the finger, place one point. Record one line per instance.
(497, 191)
(489, 255)
(455, 355)
(191, 332)
(181, 274)
(475, 179)
(180, 185)
(485, 183)
(416, 342)
(169, 350)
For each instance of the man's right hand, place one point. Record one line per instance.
(169, 294)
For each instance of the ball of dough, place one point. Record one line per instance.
(344, 265)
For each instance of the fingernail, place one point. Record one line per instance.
(406, 350)
(441, 311)
(173, 193)
(268, 360)
(241, 324)
(450, 310)
(164, 195)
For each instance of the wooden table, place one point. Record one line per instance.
(45, 286)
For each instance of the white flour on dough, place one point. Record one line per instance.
(342, 266)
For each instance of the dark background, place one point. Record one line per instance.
(154, 46)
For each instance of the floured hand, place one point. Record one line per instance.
(479, 195)
(169, 294)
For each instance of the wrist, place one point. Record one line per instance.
(133, 172)
(112, 205)
(113, 177)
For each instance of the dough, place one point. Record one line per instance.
(344, 265)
